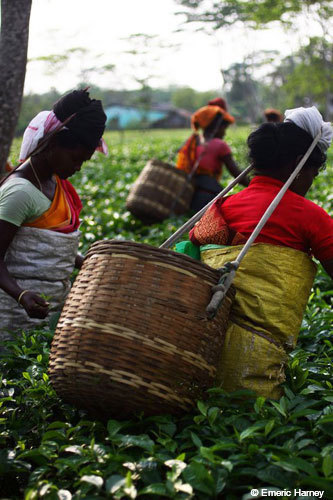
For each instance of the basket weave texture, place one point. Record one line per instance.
(133, 335)
(160, 190)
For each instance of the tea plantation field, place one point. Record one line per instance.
(51, 450)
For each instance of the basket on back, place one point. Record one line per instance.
(160, 191)
(133, 334)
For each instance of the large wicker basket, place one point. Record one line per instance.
(133, 334)
(160, 191)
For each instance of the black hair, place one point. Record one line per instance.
(273, 117)
(274, 145)
(215, 125)
(88, 124)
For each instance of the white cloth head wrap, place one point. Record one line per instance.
(42, 124)
(310, 120)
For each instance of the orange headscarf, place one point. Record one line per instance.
(205, 115)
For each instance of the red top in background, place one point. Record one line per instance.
(296, 222)
(212, 158)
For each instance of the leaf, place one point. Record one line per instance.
(269, 426)
(113, 427)
(177, 465)
(58, 425)
(212, 414)
(197, 476)
(56, 436)
(35, 456)
(279, 408)
(302, 465)
(326, 424)
(252, 430)
(27, 376)
(93, 479)
(64, 495)
(327, 466)
(154, 489)
(196, 440)
(260, 401)
(114, 483)
(275, 476)
(77, 450)
(304, 413)
(202, 408)
(285, 429)
(141, 441)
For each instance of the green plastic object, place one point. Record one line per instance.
(188, 248)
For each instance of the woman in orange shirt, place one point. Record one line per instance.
(203, 157)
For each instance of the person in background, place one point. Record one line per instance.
(274, 280)
(273, 115)
(39, 210)
(220, 102)
(203, 157)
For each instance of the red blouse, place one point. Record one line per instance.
(213, 153)
(296, 222)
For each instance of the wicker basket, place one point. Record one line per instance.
(133, 335)
(160, 190)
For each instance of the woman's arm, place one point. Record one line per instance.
(35, 306)
(234, 169)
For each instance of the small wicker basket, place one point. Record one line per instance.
(160, 190)
(133, 335)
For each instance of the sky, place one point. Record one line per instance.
(99, 29)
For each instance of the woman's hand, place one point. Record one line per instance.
(35, 305)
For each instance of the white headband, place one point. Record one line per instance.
(310, 120)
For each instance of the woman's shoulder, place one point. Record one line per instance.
(21, 191)
(219, 145)
(20, 186)
(312, 207)
(16, 183)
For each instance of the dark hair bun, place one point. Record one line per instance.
(264, 145)
(275, 145)
(88, 124)
(71, 103)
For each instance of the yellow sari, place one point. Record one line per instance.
(273, 284)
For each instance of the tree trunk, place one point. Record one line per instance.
(15, 16)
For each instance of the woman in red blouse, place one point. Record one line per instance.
(275, 278)
(204, 157)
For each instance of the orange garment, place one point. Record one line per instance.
(205, 115)
(209, 156)
(9, 167)
(213, 229)
(188, 154)
(63, 214)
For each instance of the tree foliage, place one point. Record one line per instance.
(253, 12)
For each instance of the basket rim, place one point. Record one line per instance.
(152, 252)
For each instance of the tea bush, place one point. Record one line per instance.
(222, 449)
